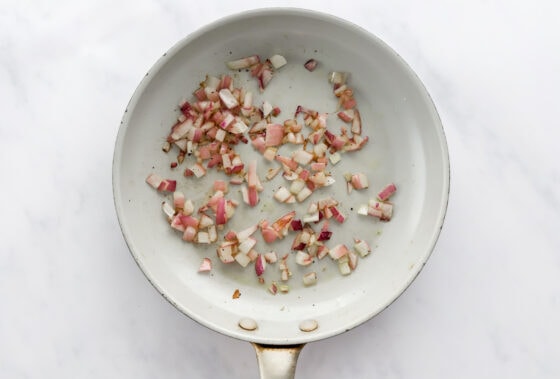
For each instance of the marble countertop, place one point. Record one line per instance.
(75, 305)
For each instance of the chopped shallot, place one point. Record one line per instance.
(168, 210)
(361, 247)
(242, 259)
(273, 289)
(228, 99)
(387, 192)
(359, 181)
(266, 108)
(278, 61)
(311, 65)
(243, 62)
(282, 194)
(154, 180)
(303, 259)
(205, 265)
(344, 266)
(274, 134)
(205, 135)
(260, 265)
(310, 278)
(338, 251)
(338, 77)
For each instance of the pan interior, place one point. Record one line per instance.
(407, 146)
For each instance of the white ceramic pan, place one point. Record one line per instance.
(407, 146)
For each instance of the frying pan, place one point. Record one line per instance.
(407, 146)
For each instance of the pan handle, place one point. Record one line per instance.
(276, 361)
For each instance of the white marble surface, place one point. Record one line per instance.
(74, 304)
